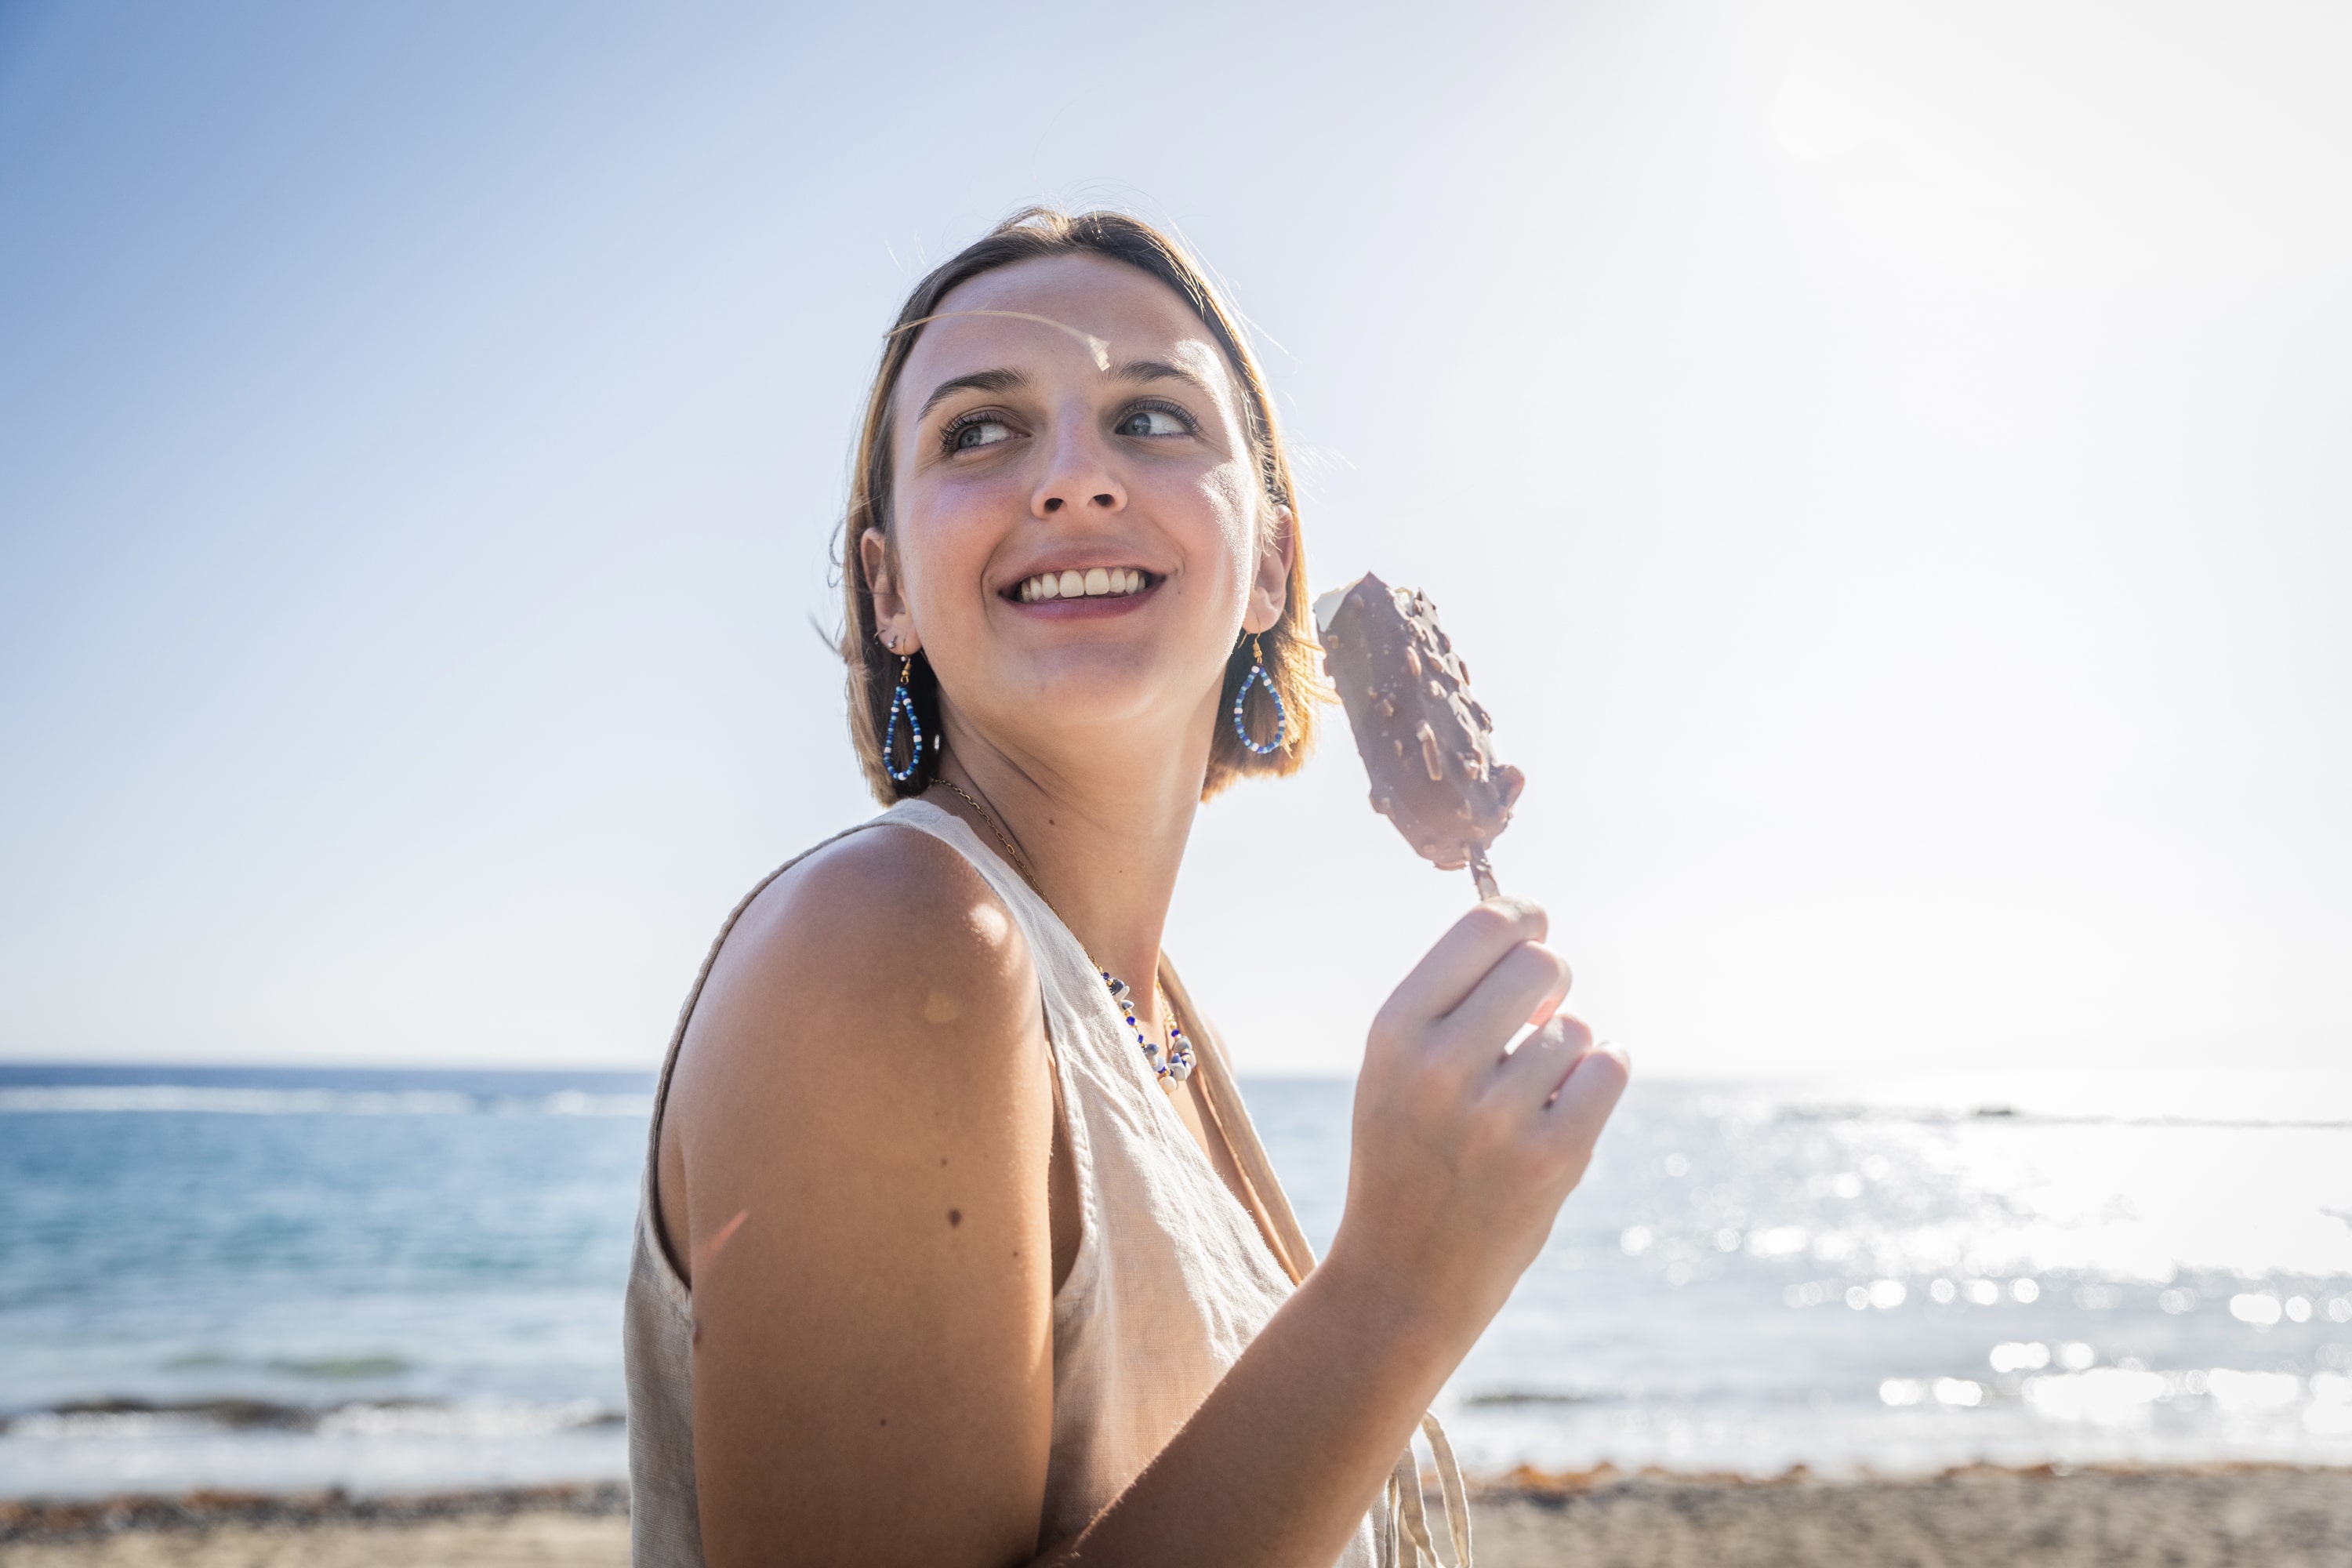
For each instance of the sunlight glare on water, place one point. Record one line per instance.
(2017, 1271)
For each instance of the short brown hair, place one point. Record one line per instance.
(1290, 649)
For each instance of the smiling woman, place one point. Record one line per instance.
(955, 1246)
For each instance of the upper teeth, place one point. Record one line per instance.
(1095, 583)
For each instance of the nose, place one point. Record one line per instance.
(1077, 475)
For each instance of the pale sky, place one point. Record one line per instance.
(1886, 466)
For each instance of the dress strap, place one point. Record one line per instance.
(1408, 1515)
(1405, 1499)
(1268, 1203)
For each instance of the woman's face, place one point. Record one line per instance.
(1081, 531)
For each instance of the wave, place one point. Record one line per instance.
(139, 1418)
(344, 1366)
(2009, 1115)
(2317, 1099)
(118, 1099)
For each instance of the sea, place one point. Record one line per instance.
(395, 1281)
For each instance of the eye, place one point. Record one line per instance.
(1153, 419)
(972, 431)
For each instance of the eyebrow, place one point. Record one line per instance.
(979, 381)
(1141, 370)
(1160, 370)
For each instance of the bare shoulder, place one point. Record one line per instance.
(890, 918)
(880, 969)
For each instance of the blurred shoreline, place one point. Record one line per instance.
(2187, 1516)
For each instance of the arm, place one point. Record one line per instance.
(865, 1082)
(1462, 1158)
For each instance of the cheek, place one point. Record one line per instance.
(1230, 495)
(948, 526)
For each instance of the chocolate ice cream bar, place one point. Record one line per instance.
(1426, 743)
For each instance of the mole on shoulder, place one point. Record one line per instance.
(955, 1216)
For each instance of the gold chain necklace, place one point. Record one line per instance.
(1011, 850)
(1178, 1066)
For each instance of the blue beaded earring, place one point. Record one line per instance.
(903, 700)
(1258, 677)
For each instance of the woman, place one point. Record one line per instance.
(951, 1252)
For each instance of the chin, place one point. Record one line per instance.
(1125, 691)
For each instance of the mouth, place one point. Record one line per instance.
(1089, 582)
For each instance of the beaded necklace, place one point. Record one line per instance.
(1178, 1065)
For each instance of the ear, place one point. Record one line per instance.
(892, 622)
(1270, 591)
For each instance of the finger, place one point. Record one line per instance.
(1541, 1063)
(1526, 981)
(1594, 1084)
(1461, 958)
(1554, 997)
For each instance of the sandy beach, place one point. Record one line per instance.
(2179, 1517)
(588, 1525)
(2201, 1517)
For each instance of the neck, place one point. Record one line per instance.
(1103, 843)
